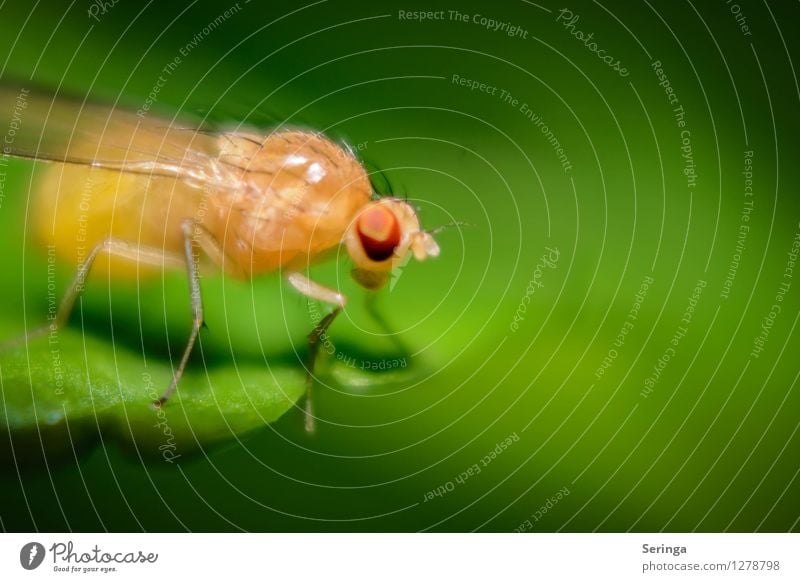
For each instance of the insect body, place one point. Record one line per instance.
(151, 192)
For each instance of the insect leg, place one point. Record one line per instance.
(213, 250)
(314, 290)
(113, 247)
(370, 302)
(194, 235)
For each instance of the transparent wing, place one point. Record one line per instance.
(66, 130)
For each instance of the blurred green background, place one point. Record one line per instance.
(712, 446)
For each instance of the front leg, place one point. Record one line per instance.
(314, 290)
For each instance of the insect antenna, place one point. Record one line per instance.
(438, 229)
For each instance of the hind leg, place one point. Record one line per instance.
(113, 247)
(195, 236)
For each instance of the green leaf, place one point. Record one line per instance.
(58, 395)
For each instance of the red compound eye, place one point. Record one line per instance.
(379, 233)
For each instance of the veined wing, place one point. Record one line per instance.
(39, 126)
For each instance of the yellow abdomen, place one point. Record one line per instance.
(76, 207)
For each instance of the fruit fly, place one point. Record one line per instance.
(150, 191)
